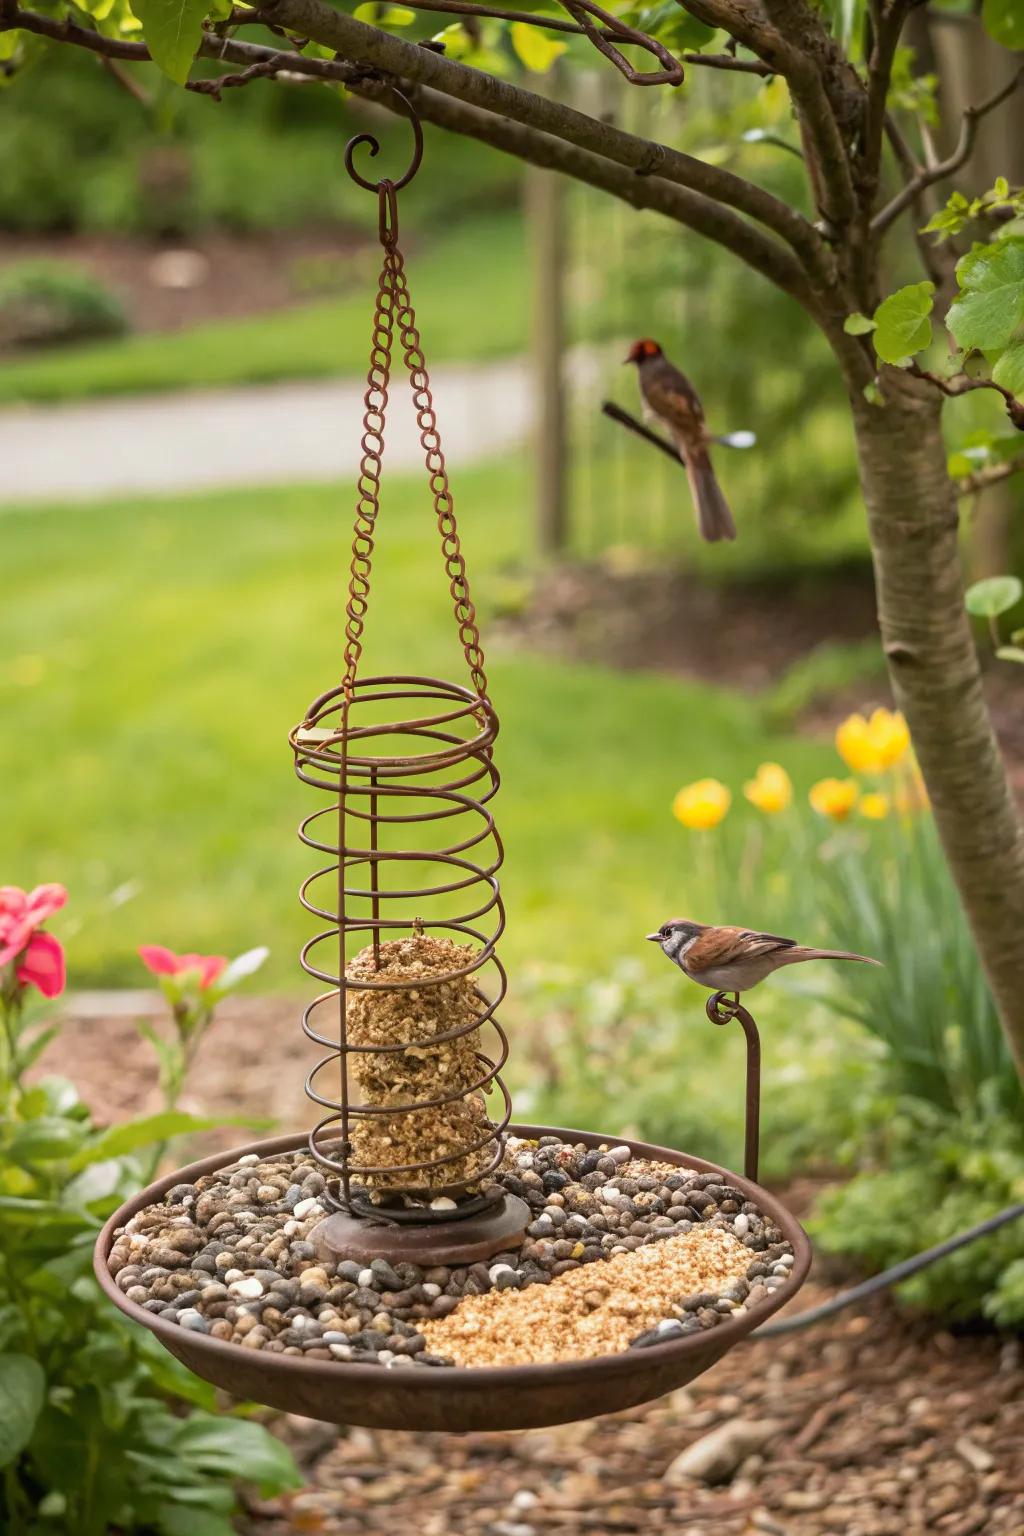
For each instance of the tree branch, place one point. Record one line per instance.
(808, 58)
(616, 413)
(221, 49)
(358, 43)
(553, 153)
(982, 478)
(962, 384)
(927, 176)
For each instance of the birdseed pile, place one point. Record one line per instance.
(621, 1253)
(419, 1070)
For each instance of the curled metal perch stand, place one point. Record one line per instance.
(722, 1007)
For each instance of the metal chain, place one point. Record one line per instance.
(394, 304)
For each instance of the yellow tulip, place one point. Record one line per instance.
(873, 745)
(702, 805)
(835, 798)
(771, 789)
(874, 806)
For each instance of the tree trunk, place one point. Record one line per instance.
(936, 677)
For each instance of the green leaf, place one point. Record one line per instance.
(173, 30)
(858, 324)
(671, 25)
(991, 303)
(144, 1132)
(1009, 369)
(237, 1449)
(45, 1140)
(902, 323)
(22, 1387)
(1010, 653)
(994, 596)
(533, 48)
(1004, 19)
(872, 394)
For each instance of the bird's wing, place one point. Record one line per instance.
(721, 946)
(673, 398)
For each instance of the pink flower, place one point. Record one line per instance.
(164, 962)
(22, 912)
(42, 965)
(38, 957)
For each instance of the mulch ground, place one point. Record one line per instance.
(171, 285)
(874, 1424)
(739, 636)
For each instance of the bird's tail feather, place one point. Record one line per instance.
(801, 952)
(713, 516)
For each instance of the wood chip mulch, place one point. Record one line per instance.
(870, 1425)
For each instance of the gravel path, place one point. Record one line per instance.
(264, 435)
(273, 434)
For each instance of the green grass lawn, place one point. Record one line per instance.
(154, 654)
(313, 339)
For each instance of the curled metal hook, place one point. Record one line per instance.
(721, 1009)
(373, 145)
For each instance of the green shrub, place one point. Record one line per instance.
(929, 1175)
(45, 303)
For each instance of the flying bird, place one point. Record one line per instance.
(727, 959)
(671, 399)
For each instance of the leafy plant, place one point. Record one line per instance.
(928, 1175)
(990, 599)
(45, 303)
(99, 1428)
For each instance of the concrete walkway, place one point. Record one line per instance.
(263, 435)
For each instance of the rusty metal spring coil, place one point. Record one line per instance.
(390, 779)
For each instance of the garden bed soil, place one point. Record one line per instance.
(172, 285)
(743, 635)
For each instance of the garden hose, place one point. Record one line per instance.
(888, 1277)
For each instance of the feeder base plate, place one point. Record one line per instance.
(503, 1226)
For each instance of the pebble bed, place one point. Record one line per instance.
(230, 1256)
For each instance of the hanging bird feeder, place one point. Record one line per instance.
(417, 1261)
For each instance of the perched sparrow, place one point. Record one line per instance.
(669, 396)
(734, 959)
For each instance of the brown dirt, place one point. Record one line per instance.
(228, 276)
(740, 636)
(874, 1424)
(673, 621)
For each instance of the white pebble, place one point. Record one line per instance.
(250, 1157)
(366, 1279)
(498, 1269)
(341, 1351)
(308, 1207)
(524, 1498)
(431, 1290)
(442, 1203)
(385, 1355)
(290, 1228)
(234, 1274)
(621, 1154)
(249, 1288)
(786, 1259)
(741, 1226)
(300, 1323)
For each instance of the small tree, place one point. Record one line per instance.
(862, 122)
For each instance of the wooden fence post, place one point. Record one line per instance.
(545, 219)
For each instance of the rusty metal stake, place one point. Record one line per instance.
(721, 1008)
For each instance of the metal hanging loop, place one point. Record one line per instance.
(373, 144)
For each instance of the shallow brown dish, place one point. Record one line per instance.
(507, 1397)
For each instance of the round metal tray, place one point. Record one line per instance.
(455, 1398)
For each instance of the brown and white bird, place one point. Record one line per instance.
(669, 396)
(729, 959)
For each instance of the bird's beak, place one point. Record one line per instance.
(655, 938)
